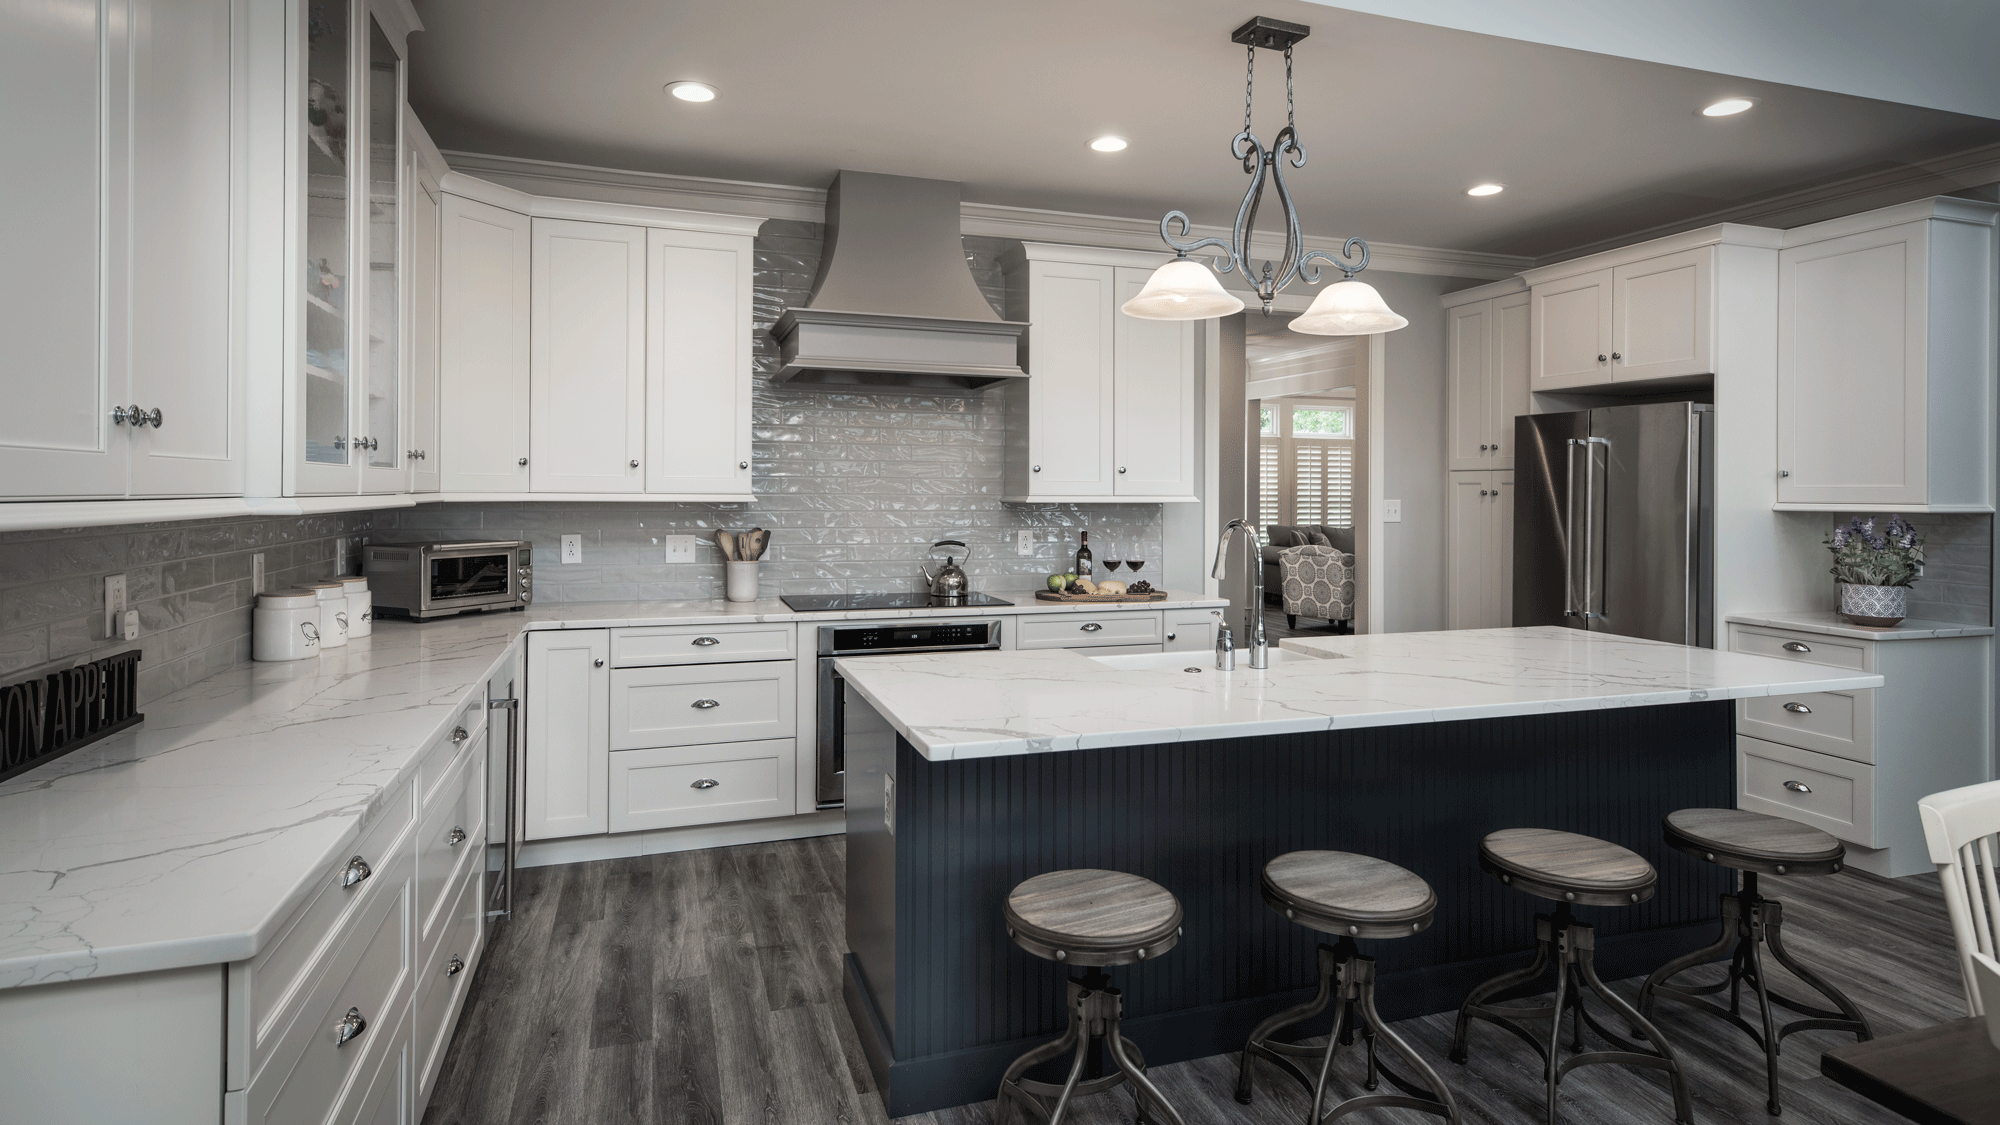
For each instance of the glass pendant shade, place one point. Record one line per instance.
(1347, 308)
(1182, 289)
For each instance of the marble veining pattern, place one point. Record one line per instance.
(964, 705)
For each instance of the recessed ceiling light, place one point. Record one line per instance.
(1486, 189)
(1728, 106)
(692, 91)
(1108, 144)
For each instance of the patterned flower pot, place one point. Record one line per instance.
(1880, 606)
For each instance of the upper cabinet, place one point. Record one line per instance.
(1886, 360)
(1107, 412)
(122, 280)
(592, 350)
(1647, 319)
(425, 207)
(1487, 364)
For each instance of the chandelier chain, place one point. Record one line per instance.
(1289, 123)
(1249, 85)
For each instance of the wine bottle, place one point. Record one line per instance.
(1083, 555)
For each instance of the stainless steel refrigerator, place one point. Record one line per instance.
(1614, 521)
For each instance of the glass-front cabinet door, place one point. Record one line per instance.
(348, 402)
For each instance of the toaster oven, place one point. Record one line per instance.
(425, 580)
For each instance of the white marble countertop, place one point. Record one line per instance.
(978, 704)
(1831, 624)
(189, 839)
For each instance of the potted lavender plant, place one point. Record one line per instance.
(1875, 569)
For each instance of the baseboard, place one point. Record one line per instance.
(625, 845)
(956, 1078)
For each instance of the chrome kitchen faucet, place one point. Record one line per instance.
(1253, 614)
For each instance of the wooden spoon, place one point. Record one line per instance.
(726, 542)
(759, 539)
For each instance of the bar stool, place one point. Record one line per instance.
(1354, 896)
(1754, 844)
(1092, 919)
(1572, 870)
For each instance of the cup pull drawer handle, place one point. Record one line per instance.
(454, 967)
(350, 1025)
(704, 783)
(704, 642)
(1798, 787)
(704, 704)
(455, 837)
(357, 870)
(1090, 626)
(1794, 646)
(1798, 708)
(459, 734)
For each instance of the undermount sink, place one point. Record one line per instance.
(1204, 660)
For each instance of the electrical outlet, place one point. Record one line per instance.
(257, 573)
(680, 548)
(131, 624)
(114, 603)
(572, 548)
(1024, 543)
(1392, 511)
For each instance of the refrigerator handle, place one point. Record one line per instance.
(1569, 530)
(1591, 530)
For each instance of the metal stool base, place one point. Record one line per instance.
(1346, 982)
(1572, 945)
(1750, 921)
(1095, 1009)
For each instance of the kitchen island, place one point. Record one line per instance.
(969, 772)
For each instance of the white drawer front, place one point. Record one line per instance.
(698, 644)
(1807, 648)
(1829, 793)
(447, 970)
(453, 830)
(1087, 630)
(1837, 723)
(367, 970)
(686, 705)
(442, 758)
(701, 784)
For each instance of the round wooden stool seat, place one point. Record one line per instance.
(1567, 867)
(1344, 893)
(1088, 916)
(1749, 841)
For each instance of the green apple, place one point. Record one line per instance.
(1057, 582)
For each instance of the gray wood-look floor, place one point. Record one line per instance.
(704, 987)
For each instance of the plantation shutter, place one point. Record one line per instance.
(1324, 482)
(1270, 495)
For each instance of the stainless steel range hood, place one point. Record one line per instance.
(894, 302)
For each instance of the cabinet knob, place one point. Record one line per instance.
(350, 1025)
(742, 464)
(1798, 708)
(522, 461)
(1795, 646)
(1784, 472)
(1038, 468)
(454, 966)
(122, 414)
(357, 869)
(1121, 468)
(1601, 357)
(1171, 636)
(1616, 357)
(1798, 787)
(704, 704)
(1482, 447)
(454, 838)
(634, 462)
(598, 663)
(1496, 447)
(704, 783)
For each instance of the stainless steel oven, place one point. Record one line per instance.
(876, 638)
(423, 580)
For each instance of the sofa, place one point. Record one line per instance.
(1316, 581)
(1279, 536)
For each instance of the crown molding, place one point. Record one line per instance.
(989, 220)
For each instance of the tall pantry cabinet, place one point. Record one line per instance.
(1487, 361)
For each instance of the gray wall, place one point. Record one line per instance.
(1957, 585)
(190, 583)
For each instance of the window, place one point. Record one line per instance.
(1267, 419)
(1270, 489)
(1305, 465)
(1313, 422)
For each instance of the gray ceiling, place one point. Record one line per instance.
(1398, 118)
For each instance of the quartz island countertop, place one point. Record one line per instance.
(983, 704)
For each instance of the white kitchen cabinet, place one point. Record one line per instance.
(122, 288)
(1625, 319)
(1487, 372)
(1480, 586)
(426, 217)
(483, 355)
(1191, 630)
(1107, 412)
(698, 363)
(587, 337)
(1886, 360)
(566, 765)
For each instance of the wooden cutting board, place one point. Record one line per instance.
(1052, 596)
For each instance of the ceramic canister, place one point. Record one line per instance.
(360, 607)
(285, 626)
(332, 613)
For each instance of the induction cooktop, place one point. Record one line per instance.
(832, 603)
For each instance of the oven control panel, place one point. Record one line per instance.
(915, 637)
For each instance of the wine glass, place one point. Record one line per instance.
(1136, 564)
(1111, 560)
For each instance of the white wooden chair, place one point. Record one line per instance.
(1962, 827)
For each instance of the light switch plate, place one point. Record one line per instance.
(131, 624)
(1024, 543)
(1392, 511)
(572, 548)
(680, 548)
(114, 603)
(257, 573)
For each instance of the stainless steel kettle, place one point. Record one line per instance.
(949, 586)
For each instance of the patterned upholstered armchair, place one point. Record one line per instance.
(1316, 582)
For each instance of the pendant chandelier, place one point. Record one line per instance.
(1184, 289)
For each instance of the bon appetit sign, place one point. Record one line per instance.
(49, 716)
